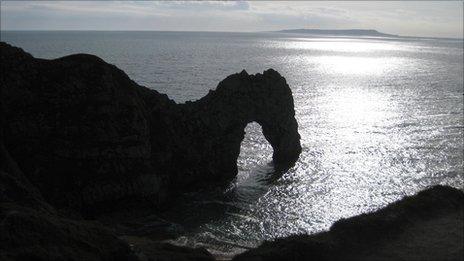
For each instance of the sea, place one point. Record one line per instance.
(380, 118)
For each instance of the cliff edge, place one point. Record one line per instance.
(87, 136)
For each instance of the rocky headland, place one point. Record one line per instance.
(79, 139)
(85, 135)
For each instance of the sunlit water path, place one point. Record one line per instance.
(378, 118)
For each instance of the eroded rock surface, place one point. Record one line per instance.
(31, 229)
(78, 137)
(86, 136)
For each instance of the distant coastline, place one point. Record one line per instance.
(355, 33)
(347, 32)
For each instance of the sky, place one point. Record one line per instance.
(410, 18)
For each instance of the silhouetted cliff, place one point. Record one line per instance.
(87, 136)
(79, 137)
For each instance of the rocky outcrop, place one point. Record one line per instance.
(148, 250)
(79, 136)
(31, 229)
(427, 226)
(86, 136)
(28, 234)
(216, 125)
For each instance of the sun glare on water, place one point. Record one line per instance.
(348, 65)
(354, 107)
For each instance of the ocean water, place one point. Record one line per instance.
(379, 118)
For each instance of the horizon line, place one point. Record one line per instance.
(214, 31)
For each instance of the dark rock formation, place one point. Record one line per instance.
(31, 229)
(148, 250)
(77, 137)
(27, 234)
(86, 136)
(427, 226)
(216, 125)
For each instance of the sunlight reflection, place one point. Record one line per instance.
(341, 45)
(355, 65)
(356, 106)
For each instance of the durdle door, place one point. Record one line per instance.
(87, 137)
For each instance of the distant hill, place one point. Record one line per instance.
(349, 32)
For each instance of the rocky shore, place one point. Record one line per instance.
(79, 140)
(426, 226)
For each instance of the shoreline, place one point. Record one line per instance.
(83, 148)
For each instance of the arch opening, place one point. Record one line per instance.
(254, 162)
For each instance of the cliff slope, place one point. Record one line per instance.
(87, 136)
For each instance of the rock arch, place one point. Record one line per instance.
(223, 114)
(87, 136)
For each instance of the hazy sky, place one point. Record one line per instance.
(440, 19)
